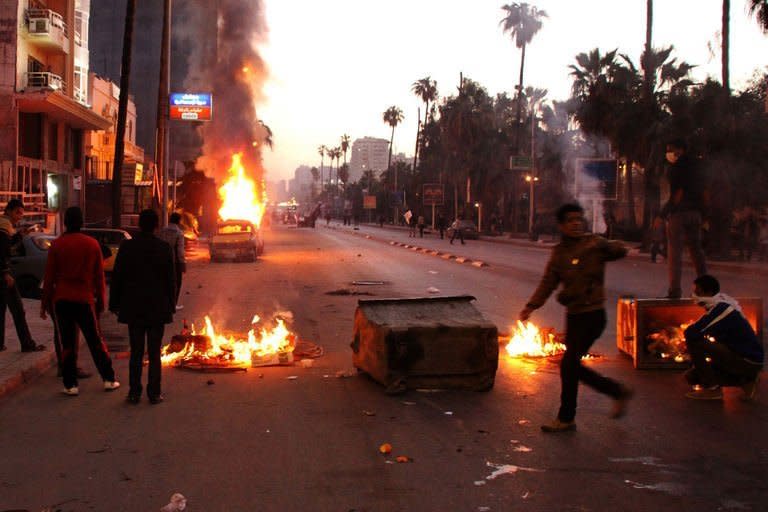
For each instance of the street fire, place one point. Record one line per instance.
(239, 195)
(669, 343)
(527, 340)
(263, 345)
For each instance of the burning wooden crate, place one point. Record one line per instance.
(431, 342)
(650, 331)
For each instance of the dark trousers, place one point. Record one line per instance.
(179, 275)
(657, 248)
(726, 367)
(581, 331)
(457, 232)
(683, 228)
(69, 316)
(10, 299)
(152, 337)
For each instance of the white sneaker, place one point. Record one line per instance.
(73, 391)
(179, 306)
(111, 385)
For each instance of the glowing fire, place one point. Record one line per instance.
(527, 340)
(215, 348)
(239, 196)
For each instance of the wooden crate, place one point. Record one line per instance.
(637, 318)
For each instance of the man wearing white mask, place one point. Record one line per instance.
(683, 211)
(723, 347)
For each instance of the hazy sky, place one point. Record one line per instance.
(336, 65)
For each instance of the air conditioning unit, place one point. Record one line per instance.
(39, 26)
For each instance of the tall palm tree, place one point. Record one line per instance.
(392, 116)
(426, 89)
(522, 22)
(647, 72)
(345, 146)
(322, 150)
(759, 9)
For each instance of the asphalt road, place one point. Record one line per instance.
(261, 441)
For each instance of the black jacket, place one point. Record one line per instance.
(143, 287)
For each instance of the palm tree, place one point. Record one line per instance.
(321, 149)
(522, 22)
(647, 73)
(392, 116)
(345, 146)
(426, 89)
(759, 9)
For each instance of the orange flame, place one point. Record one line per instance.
(527, 340)
(239, 196)
(231, 349)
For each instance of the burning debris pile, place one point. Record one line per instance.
(668, 343)
(265, 344)
(527, 340)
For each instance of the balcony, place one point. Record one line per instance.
(46, 29)
(43, 80)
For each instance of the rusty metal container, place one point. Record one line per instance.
(425, 343)
(639, 323)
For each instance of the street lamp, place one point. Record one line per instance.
(531, 182)
(479, 207)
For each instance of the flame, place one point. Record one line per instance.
(233, 350)
(239, 196)
(527, 340)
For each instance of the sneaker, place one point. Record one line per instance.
(154, 400)
(111, 385)
(619, 408)
(179, 306)
(701, 393)
(559, 426)
(133, 398)
(750, 389)
(73, 391)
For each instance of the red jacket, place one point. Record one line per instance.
(74, 271)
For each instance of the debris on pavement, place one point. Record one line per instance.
(524, 422)
(385, 449)
(342, 374)
(178, 503)
(432, 289)
(369, 413)
(292, 377)
(504, 469)
(210, 382)
(403, 458)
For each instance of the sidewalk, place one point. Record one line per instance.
(18, 368)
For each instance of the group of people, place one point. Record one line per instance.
(144, 292)
(724, 348)
(420, 223)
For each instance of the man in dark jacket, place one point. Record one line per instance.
(578, 262)
(143, 295)
(687, 197)
(724, 349)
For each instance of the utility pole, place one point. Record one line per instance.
(122, 114)
(161, 147)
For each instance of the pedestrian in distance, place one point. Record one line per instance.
(421, 223)
(578, 264)
(440, 225)
(10, 298)
(174, 236)
(143, 295)
(74, 292)
(724, 349)
(456, 227)
(684, 213)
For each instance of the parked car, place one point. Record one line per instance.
(110, 238)
(28, 263)
(468, 229)
(236, 240)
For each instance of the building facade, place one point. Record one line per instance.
(368, 154)
(44, 111)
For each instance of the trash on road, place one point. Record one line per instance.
(385, 449)
(178, 503)
(504, 469)
(433, 272)
(403, 458)
(432, 289)
(369, 413)
(342, 374)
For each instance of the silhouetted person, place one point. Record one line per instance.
(74, 293)
(457, 229)
(174, 236)
(143, 295)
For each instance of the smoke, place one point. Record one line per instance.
(236, 79)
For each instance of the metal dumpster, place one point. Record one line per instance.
(427, 343)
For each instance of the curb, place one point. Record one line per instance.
(27, 375)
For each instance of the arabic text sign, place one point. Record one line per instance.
(191, 106)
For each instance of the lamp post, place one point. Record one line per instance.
(531, 179)
(479, 207)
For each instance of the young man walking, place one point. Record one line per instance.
(578, 263)
(74, 292)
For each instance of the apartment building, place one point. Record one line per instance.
(44, 111)
(368, 153)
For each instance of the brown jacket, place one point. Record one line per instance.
(579, 264)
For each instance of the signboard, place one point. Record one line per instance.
(520, 163)
(369, 202)
(596, 178)
(396, 198)
(191, 106)
(433, 194)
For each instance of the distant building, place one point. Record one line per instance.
(44, 111)
(368, 153)
(302, 185)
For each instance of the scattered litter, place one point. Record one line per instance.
(433, 272)
(645, 461)
(483, 509)
(385, 449)
(667, 487)
(432, 289)
(103, 449)
(525, 495)
(369, 413)
(389, 462)
(326, 376)
(403, 458)
(481, 431)
(480, 482)
(514, 441)
(267, 431)
(521, 448)
(424, 390)
(210, 382)
(306, 363)
(524, 422)
(448, 413)
(504, 469)
(292, 377)
(341, 374)
(408, 403)
(178, 503)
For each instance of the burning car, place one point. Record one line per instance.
(236, 240)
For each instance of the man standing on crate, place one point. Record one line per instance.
(724, 349)
(578, 263)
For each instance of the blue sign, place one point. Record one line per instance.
(596, 178)
(191, 106)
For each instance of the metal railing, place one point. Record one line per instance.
(44, 21)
